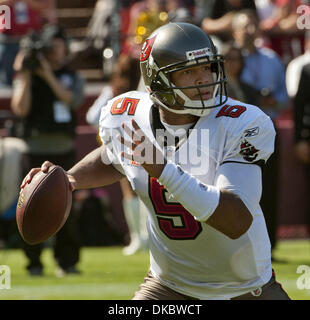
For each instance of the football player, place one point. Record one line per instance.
(194, 157)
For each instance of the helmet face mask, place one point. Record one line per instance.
(175, 47)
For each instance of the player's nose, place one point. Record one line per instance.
(203, 76)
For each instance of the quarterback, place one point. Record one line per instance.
(207, 234)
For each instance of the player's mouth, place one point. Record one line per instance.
(205, 95)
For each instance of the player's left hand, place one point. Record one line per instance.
(141, 150)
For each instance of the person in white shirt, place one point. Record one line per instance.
(293, 70)
(194, 160)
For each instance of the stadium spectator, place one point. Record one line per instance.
(45, 96)
(279, 25)
(125, 77)
(208, 238)
(302, 114)
(263, 69)
(293, 70)
(203, 9)
(106, 34)
(220, 21)
(236, 88)
(26, 16)
(302, 123)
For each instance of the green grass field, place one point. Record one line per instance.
(108, 275)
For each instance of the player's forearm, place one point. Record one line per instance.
(219, 208)
(91, 172)
(231, 216)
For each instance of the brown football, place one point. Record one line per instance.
(44, 205)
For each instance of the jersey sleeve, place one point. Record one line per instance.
(230, 176)
(251, 142)
(108, 131)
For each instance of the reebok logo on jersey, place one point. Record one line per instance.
(248, 151)
(251, 132)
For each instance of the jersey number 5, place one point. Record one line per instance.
(231, 111)
(123, 104)
(188, 229)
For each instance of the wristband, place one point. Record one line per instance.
(199, 199)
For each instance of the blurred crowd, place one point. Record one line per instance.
(265, 43)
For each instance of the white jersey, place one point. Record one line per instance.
(188, 256)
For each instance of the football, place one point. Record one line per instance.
(44, 205)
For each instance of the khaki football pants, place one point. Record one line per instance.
(152, 289)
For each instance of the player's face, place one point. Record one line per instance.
(195, 76)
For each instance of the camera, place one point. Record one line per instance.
(34, 44)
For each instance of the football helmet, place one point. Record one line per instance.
(178, 46)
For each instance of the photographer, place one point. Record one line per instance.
(46, 93)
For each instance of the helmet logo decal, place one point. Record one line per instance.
(198, 53)
(147, 48)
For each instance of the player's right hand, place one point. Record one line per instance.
(44, 168)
